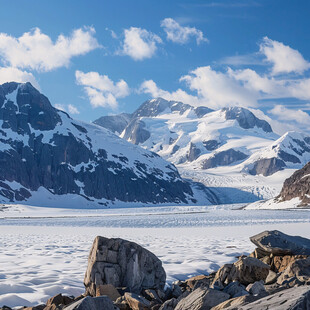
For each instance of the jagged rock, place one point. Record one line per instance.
(176, 290)
(38, 307)
(115, 123)
(135, 132)
(193, 152)
(223, 158)
(271, 278)
(59, 300)
(296, 298)
(280, 263)
(235, 303)
(202, 299)
(169, 304)
(197, 281)
(249, 270)
(267, 166)
(299, 269)
(122, 263)
(137, 302)
(246, 118)
(246, 270)
(121, 303)
(297, 185)
(235, 289)
(278, 243)
(107, 290)
(256, 288)
(259, 253)
(152, 295)
(93, 303)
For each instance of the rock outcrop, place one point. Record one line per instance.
(297, 186)
(123, 264)
(46, 154)
(277, 243)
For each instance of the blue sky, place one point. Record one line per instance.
(113, 55)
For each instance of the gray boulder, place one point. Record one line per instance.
(123, 264)
(299, 270)
(92, 303)
(246, 270)
(296, 298)
(278, 243)
(202, 299)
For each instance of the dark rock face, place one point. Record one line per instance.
(135, 132)
(223, 159)
(297, 185)
(246, 118)
(193, 152)
(267, 166)
(202, 111)
(115, 123)
(277, 243)
(211, 145)
(123, 264)
(42, 147)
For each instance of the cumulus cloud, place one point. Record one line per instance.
(179, 34)
(283, 58)
(150, 87)
(36, 51)
(219, 89)
(101, 90)
(139, 43)
(285, 114)
(10, 74)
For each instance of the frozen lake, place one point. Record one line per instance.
(44, 251)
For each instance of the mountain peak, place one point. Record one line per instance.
(246, 118)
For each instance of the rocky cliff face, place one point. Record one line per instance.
(297, 186)
(44, 153)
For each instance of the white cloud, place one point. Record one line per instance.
(10, 74)
(219, 89)
(101, 90)
(283, 58)
(150, 87)
(70, 108)
(285, 114)
(178, 34)
(73, 109)
(139, 43)
(36, 51)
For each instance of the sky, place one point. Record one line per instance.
(94, 58)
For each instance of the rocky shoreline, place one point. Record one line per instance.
(123, 275)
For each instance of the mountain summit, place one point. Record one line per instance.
(47, 158)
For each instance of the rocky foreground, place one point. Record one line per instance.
(123, 275)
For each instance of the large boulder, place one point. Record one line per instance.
(299, 269)
(202, 299)
(123, 264)
(296, 298)
(89, 303)
(278, 243)
(246, 270)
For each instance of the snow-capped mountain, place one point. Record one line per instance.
(47, 158)
(215, 146)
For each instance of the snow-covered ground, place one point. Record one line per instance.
(44, 251)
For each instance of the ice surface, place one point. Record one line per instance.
(44, 251)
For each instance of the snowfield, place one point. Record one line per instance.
(44, 251)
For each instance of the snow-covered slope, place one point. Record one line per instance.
(230, 147)
(49, 159)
